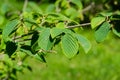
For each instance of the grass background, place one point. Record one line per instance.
(101, 63)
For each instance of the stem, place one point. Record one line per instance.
(18, 37)
(89, 7)
(79, 25)
(23, 40)
(24, 8)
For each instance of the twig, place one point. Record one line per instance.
(89, 7)
(18, 37)
(23, 40)
(79, 25)
(48, 51)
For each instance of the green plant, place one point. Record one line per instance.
(37, 30)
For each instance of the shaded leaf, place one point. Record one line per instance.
(116, 28)
(35, 47)
(86, 45)
(26, 49)
(11, 47)
(69, 45)
(30, 21)
(97, 21)
(40, 57)
(35, 7)
(115, 17)
(50, 8)
(102, 32)
(34, 37)
(116, 32)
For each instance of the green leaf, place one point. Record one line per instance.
(116, 27)
(30, 21)
(35, 7)
(116, 32)
(26, 49)
(40, 57)
(4, 8)
(69, 45)
(34, 37)
(60, 25)
(55, 32)
(97, 21)
(69, 12)
(86, 45)
(34, 42)
(106, 13)
(1, 20)
(68, 31)
(102, 32)
(44, 39)
(11, 47)
(10, 26)
(50, 8)
(78, 3)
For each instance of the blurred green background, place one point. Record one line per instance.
(101, 63)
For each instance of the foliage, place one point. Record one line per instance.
(40, 27)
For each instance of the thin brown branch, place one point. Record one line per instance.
(48, 51)
(18, 37)
(89, 7)
(23, 40)
(79, 25)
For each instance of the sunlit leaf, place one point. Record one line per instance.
(1, 20)
(78, 3)
(44, 39)
(55, 32)
(102, 32)
(84, 42)
(97, 21)
(10, 26)
(69, 45)
(106, 14)
(60, 25)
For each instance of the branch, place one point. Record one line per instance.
(48, 51)
(18, 37)
(89, 7)
(79, 25)
(24, 40)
